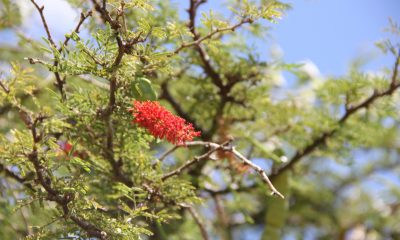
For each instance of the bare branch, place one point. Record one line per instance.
(196, 159)
(164, 155)
(259, 170)
(44, 22)
(224, 147)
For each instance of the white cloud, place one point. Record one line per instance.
(311, 69)
(59, 15)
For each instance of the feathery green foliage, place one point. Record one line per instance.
(73, 165)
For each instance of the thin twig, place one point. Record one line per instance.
(59, 81)
(6, 90)
(197, 219)
(35, 61)
(164, 155)
(21, 210)
(44, 22)
(223, 219)
(196, 159)
(16, 177)
(259, 170)
(77, 28)
(188, 144)
(93, 57)
(211, 34)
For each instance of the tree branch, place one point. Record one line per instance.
(208, 69)
(44, 22)
(350, 110)
(45, 181)
(197, 219)
(195, 160)
(5, 89)
(83, 17)
(105, 15)
(16, 177)
(215, 77)
(212, 33)
(222, 218)
(108, 111)
(123, 48)
(54, 195)
(214, 147)
(59, 81)
(164, 155)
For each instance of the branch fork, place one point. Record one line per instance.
(227, 147)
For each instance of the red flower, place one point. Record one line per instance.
(66, 147)
(161, 123)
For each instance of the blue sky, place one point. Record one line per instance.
(333, 33)
(329, 33)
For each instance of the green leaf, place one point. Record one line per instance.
(80, 163)
(143, 89)
(264, 151)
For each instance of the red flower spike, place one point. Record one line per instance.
(161, 123)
